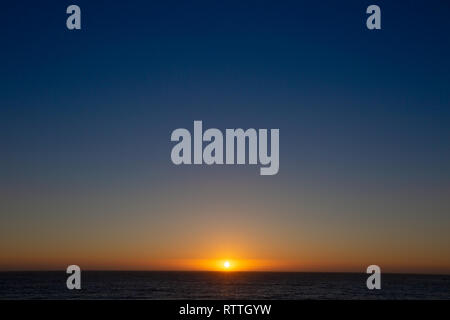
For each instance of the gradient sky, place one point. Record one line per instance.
(364, 118)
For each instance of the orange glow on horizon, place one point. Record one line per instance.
(223, 265)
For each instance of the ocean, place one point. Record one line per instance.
(220, 285)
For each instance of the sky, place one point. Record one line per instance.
(86, 117)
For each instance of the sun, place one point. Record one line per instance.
(226, 264)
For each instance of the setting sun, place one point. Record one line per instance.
(226, 264)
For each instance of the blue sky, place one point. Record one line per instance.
(364, 119)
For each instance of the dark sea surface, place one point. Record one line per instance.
(220, 285)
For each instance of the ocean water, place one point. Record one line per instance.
(220, 285)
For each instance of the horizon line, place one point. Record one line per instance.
(229, 271)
